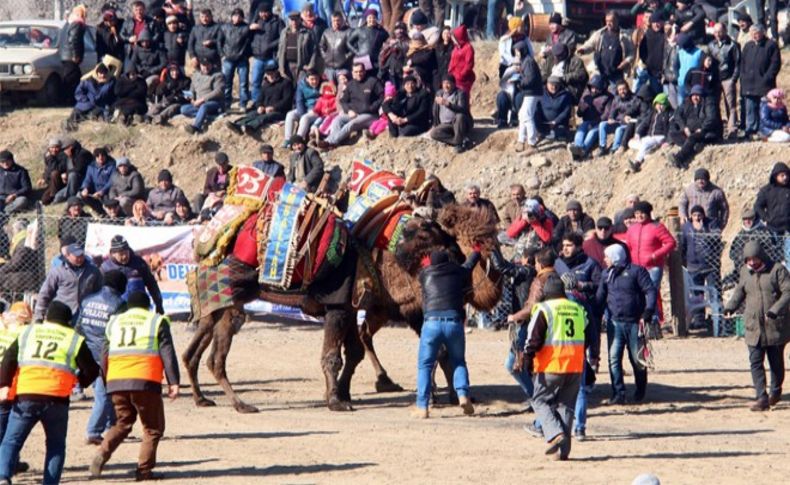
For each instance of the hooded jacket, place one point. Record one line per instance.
(201, 33)
(266, 40)
(649, 243)
(773, 201)
(760, 64)
(763, 291)
(15, 180)
(462, 61)
(148, 61)
(593, 107)
(627, 292)
(334, 48)
(234, 41)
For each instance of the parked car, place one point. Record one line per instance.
(30, 58)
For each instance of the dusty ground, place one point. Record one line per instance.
(694, 428)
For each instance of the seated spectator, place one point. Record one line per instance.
(651, 131)
(700, 248)
(555, 107)
(324, 107)
(77, 161)
(113, 213)
(98, 180)
(19, 274)
(183, 214)
(305, 167)
(421, 61)
(462, 60)
(774, 123)
(574, 221)
(216, 183)
(94, 97)
(643, 104)
(162, 198)
(392, 57)
(234, 43)
(130, 95)
(696, 122)
(452, 120)
(169, 95)
(207, 95)
(74, 222)
(148, 59)
(274, 103)
(361, 101)
(141, 215)
(307, 94)
(55, 171)
(568, 67)
(174, 41)
(593, 106)
(15, 186)
(126, 185)
(267, 164)
(616, 119)
(409, 112)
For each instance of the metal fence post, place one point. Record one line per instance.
(676, 286)
(57, 9)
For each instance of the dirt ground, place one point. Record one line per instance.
(694, 427)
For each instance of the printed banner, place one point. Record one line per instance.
(168, 252)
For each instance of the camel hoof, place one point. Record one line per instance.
(204, 403)
(385, 384)
(338, 405)
(245, 408)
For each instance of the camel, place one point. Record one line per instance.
(397, 298)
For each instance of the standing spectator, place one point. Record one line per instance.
(568, 67)
(774, 123)
(700, 248)
(575, 220)
(95, 312)
(55, 171)
(773, 203)
(307, 94)
(444, 51)
(593, 106)
(452, 120)
(651, 54)
(559, 34)
(169, 95)
(314, 25)
(73, 51)
(267, 164)
(108, 36)
(130, 95)
(361, 102)
(409, 113)
(297, 51)
(93, 98)
(764, 287)
(669, 72)
(533, 230)
(126, 184)
(234, 44)
(613, 51)
(274, 103)
(651, 131)
(204, 39)
(98, 179)
(333, 47)
(629, 297)
(392, 57)
(435, 9)
(74, 222)
(709, 196)
(147, 58)
(616, 119)
(208, 95)
(727, 53)
(512, 209)
(162, 198)
(77, 161)
(15, 186)
(603, 237)
(760, 65)
(366, 41)
(135, 269)
(752, 229)
(133, 27)
(696, 123)
(484, 207)
(305, 167)
(421, 61)
(217, 181)
(690, 20)
(689, 59)
(175, 41)
(69, 283)
(462, 60)
(265, 43)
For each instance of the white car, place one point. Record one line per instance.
(30, 59)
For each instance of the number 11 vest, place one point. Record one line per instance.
(134, 346)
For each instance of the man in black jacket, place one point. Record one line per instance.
(204, 39)
(72, 53)
(690, 17)
(265, 41)
(108, 38)
(55, 171)
(147, 58)
(773, 201)
(452, 120)
(409, 112)
(727, 53)
(367, 41)
(760, 64)
(235, 48)
(77, 161)
(445, 285)
(15, 184)
(305, 168)
(275, 101)
(697, 121)
(174, 41)
(361, 102)
(334, 49)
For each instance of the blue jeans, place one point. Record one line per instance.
(54, 417)
(523, 377)
(624, 335)
(5, 413)
(655, 276)
(102, 415)
(751, 105)
(580, 412)
(209, 108)
(586, 134)
(438, 331)
(604, 129)
(256, 76)
(492, 17)
(228, 70)
(787, 250)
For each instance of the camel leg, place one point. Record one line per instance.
(354, 354)
(223, 338)
(193, 353)
(335, 326)
(369, 328)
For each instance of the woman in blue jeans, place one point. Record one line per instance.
(444, 284)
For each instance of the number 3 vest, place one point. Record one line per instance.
(563, 350)
(47, 360)
(134, 346)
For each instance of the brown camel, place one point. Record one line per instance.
(398, 298)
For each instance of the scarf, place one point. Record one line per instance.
(417, 46)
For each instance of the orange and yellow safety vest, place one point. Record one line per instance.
(47, 360)
(563, 349)
(134, 346)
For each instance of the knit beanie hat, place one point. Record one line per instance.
(662, 99)
(389, 89)
(59, 312)
(697, 208)
(514, 23)
(702, 174)
(644, 207)
(116, 280)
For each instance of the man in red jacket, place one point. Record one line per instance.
(649, 243)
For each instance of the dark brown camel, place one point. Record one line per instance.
(398, 299)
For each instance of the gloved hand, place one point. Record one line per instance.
(569, 280)
(771, 315)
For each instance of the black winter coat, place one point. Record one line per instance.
(703, 116)
(593, 107)
(760, 64)
(74, 47)
(265, 41)
(655, 123)
(278, 95)
(109, 44)
(445, 286)
(235, 41)
(201, 33)
(363, 97)
(773, 201)
(175, 46)
(416, 108)
(171, 90)
(366, 41)
(148, 62)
